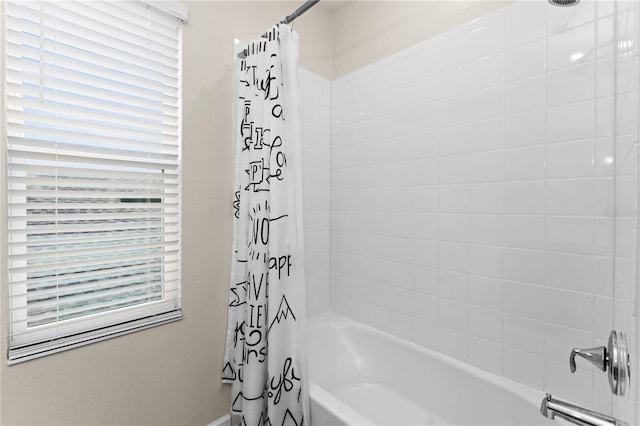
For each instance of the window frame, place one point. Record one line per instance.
(97, 326)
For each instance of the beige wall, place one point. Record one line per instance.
(170, 374)
(366, 31)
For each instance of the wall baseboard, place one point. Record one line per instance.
(222, 421)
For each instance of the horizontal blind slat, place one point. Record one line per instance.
(26, 107)
(80, 96)
(124, 259)
(19, 287)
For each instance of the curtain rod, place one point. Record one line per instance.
(290, 18)
(299, 11)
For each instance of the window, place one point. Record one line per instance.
(93, 111)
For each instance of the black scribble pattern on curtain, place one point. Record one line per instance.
(264, 391)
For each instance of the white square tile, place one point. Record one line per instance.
(426, 171)
(453, 82)
(526, 266)
(425, 253)
(486, 166)
(524, 231)
(486, 197)
(572, 84)
(400, 274)
(524, 333)
(400, 300)
(425, 118)
(425, 198)
(524, 197)
(525, 129)
(454, 198)
(425, 145)
(401, 223)
(399, 174)
(454, 111)
(485, 292)
(571, 122)
(486, 72)
(454, 169)
(525, 60)
(400, 200)
(570, 47)
(574, 197)
(425, 307)
(524, 300)
(525, 95)
(485, 104)
(399, 249)
(453, 140)
(570, 234)
(570, 159)
(525, 163)
(380, 294)
(570, 271)
(425, 280)
(402, 148)
(486, 260)
(485, 323)
(454, 256)
(453, 228)
(453, 285)
(453, 314)
(569, 309)
(487, 134)
(425, 226)
(426, 89)
(486, 229)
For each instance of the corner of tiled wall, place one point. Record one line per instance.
(316, 98)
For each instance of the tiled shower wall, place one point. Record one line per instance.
(472, 182)
(625, 291)
(315, 93)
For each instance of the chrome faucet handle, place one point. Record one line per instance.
(597, 356)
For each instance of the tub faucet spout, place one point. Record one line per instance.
(551, 407)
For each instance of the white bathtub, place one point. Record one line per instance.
(360, 375)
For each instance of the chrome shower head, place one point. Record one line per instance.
(564, 3)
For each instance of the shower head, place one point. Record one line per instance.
(564, 3)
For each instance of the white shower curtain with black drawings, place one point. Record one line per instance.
(264, 357)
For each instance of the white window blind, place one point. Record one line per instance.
(93, 148)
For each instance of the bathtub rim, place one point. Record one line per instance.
(333, 320)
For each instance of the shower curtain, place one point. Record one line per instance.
(264, 359)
